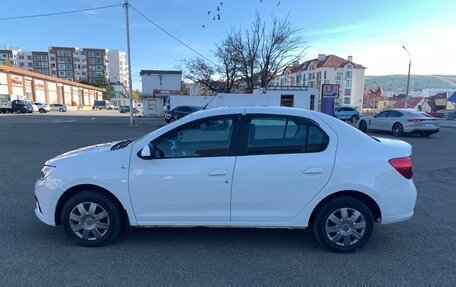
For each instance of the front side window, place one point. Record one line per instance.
(275, 135)
(201, 138)
(394, 114)
(382, 114)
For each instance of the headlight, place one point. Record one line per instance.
(46, 171)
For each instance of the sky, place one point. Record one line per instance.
(373, 32)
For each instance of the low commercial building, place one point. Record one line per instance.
(25, 85)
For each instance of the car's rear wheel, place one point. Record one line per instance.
(343, 224)
(18, 111)
(42, 111)
(92, 218)
(354, 119)
(60, 110)
(363, 126)
(397, 130)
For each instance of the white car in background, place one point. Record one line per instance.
(268, 167)
(43, 108)
(34, 106)
(400, 122)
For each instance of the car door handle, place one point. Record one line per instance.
(313, 170)
(217, 172)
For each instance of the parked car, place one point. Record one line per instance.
(266, 167)
(100, 105)
(32, 104)
(42, 108)
(346, 114)
(180, 112)
(58, 107)
(17, 106)
(400, 122)
(126, 109)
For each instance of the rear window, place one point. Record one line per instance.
(275, 135)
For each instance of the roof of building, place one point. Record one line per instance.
(159, 72)
(8, 69)
(329, 61)
(412, 102)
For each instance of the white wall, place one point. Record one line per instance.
(160, 82)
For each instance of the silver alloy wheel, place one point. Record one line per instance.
(89, 221)
(397, 130)
(345, 226)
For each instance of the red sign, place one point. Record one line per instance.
(16, 80)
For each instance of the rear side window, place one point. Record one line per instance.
(275, 135)
(394, 114)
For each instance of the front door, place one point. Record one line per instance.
(190, 180)
(287, 162)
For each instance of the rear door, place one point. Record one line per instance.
(284, 163)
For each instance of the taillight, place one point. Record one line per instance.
(403, 165)
(415, 120)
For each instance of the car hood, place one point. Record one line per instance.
(105, 147)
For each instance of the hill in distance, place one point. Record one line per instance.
(417, 82)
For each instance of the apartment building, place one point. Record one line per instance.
(72, 63)
(327, 69)
(8, 55)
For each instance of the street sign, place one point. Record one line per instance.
(330, 90)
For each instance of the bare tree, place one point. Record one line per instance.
(201, 72)
(280, 46)
(229, 68)
(246, 46)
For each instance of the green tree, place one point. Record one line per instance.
(6, 62)
(101, 82)
(137, 95)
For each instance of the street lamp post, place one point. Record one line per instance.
(408, 77)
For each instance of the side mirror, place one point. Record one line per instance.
(148, 152)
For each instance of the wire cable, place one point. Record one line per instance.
(169, 34)
(59, 13)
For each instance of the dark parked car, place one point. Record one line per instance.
(126, 109)
(18, 107)
(180, 112)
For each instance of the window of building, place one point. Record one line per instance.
(44, 65)
(36, 58)
(61, 59)
(52, 58)
(272, 135)
(97, 54)
(192, 139)
(346, 101)
(29, 64)
(348, 83)
(61, 73)
(21, 64)
(339, 76)
(318, 75)
(348, 92)
(67, 52)
(44, 58)
(60, 53)
(69, 67)
(29, 57)
(91, 54)
(287, 100)
(324, 75)
(349, 66)
(348, 74)
(67, 59)
(61, 66)
(21, 57)
(36, 64)
(99, 68)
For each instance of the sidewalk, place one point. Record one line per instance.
(447, 123)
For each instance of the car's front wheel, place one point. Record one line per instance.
(354, 119)
(61, 110)
(92, 218)
(343, 224)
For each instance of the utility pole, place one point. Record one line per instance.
(408, 77)
(130, 88)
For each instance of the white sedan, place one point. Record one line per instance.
(400, 122)
(233, 167)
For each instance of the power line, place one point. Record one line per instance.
(169, 34)
(59, 13)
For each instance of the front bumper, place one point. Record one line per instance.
(46, 197)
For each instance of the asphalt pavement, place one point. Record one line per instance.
(418, 252)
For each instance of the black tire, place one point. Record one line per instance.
(354, 119)
(349, 231)
(113, 220)
(397, 130)
(18, 111)
(363, 126)
(42, 111)
(61, 110)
